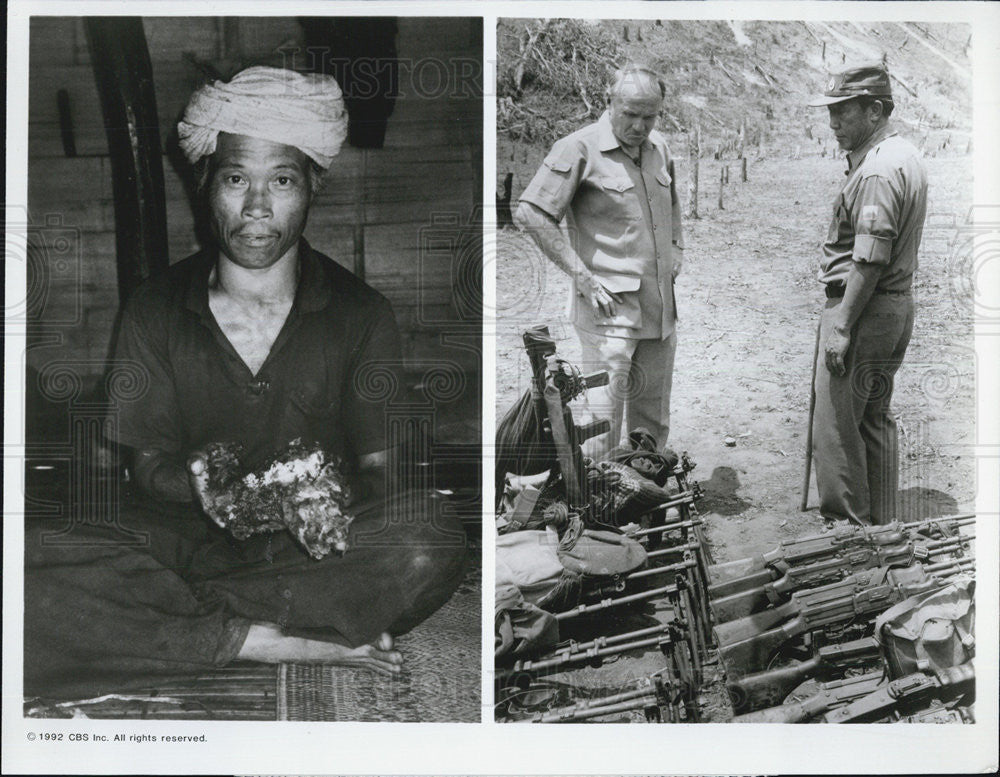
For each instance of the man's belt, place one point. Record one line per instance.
(836, 291)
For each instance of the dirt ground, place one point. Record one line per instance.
(748, 303)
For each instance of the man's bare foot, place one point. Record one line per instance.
(265, 642)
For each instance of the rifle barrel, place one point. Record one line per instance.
(584, 655)
(606, 641)
(664, 528)
(951, 566)
(962, 519)
(646, 700)
(678, 567)
(949, 542)
(678, 499)
(584, 609)
(723, 573)
(673, 549)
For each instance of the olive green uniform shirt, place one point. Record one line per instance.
(878, 217)
(624, 222)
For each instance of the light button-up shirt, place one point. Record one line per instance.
(623, 220)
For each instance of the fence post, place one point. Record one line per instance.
(694, 152)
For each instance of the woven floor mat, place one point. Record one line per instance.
(244, 690)
(440, 682)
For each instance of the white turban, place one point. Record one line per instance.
(305, 110)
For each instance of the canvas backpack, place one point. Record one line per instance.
(929, 631)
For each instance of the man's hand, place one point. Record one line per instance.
(836, 350)
(212, 505)
(678, 257)
(162, 475)
(602, 300)
(371, 481)
(862, 280)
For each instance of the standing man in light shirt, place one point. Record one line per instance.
(613, 181)
(869, 259)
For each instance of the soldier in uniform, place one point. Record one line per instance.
(869, 259)
(613, 181)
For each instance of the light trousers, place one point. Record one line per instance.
(641, 376)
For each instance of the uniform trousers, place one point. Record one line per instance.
(855, 441)
(165, 592)
(641, 376)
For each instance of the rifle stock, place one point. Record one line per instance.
(740, 584)
(799, 712)
(748, 655)
(829, 697)
(765, 689)
(752, 625)
(740, 605)
(855, 598)
(733, 570)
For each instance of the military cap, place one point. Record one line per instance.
(863, 81)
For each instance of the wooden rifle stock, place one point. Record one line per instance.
(829, 697)
(753, 625)
(766, 689)
(856, 597)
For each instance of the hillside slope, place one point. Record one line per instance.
(722, 76)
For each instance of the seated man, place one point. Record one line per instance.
(258, 340)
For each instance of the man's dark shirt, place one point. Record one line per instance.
(325, 378)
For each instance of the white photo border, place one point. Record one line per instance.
(490, 748)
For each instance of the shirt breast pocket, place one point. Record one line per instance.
(314, 404)
(615, 198)
(841, 227)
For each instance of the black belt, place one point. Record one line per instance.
(836, 291)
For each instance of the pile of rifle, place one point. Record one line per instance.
(677, 575)
(803, 615)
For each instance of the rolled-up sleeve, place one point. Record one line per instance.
(555, 184)
(876, 220)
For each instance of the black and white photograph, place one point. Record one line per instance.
(735, 462)
(251, 381)
(382, 377)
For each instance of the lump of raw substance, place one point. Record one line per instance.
(300, 489)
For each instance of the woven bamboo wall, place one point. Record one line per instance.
(376, 211)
